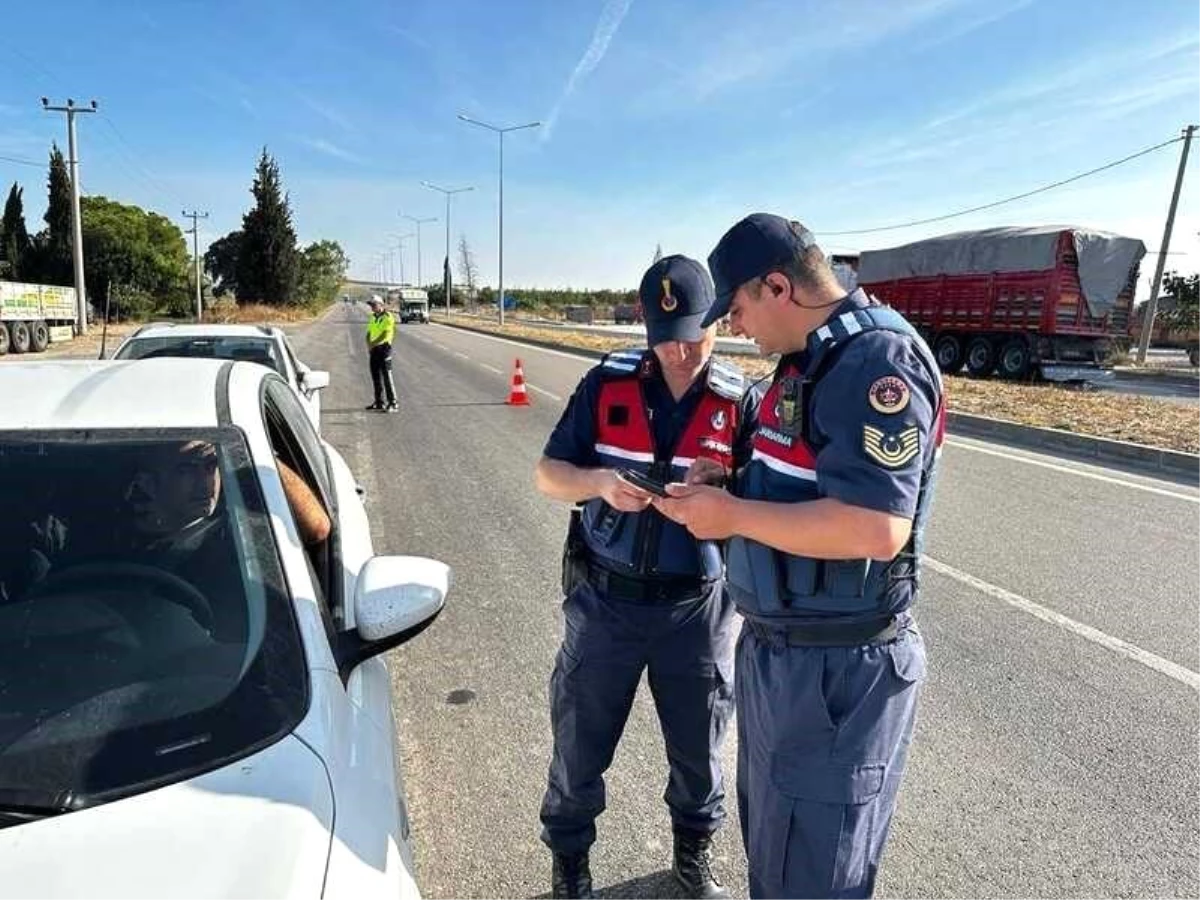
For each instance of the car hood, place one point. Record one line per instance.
(259, 827)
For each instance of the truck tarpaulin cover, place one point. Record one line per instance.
(1105, 260)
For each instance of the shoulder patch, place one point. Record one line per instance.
(726, 380)
(622, 363)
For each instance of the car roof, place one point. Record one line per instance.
(149, 393)
(193, 331)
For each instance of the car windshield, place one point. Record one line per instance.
(145, 631)
(417, 305)
(249, 349)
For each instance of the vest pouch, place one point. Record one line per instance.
(754, 572)
(604, 525)
(802, 576)
(846, 578)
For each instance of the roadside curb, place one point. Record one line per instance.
(1171, 462)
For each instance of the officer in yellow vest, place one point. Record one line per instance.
(381, 330)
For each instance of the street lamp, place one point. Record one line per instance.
(501, 131)
(449, 192)
(419, 223)
(400, 239)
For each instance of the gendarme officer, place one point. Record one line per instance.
(824, 546)
(643, 595)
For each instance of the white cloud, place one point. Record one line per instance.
(330, 149)
(606, 28)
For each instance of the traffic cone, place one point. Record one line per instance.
(518, 396)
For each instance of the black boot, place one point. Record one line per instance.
(571, 876)
(693, 865)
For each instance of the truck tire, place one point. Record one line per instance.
(949, 353)
(39, 336)
(3, 339)
(981, 357)
(19, 334)
(1015, 357)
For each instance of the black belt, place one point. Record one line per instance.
(878, 630)
(646, 590)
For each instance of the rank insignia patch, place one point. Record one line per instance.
(891, 450)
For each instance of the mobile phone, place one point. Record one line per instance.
(644, 482)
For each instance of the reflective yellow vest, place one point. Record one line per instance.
(381, 329)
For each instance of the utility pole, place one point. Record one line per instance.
(195, 233)
(500, 131)
(76, 217)
(419, 223)
(1152, 306)
(449, 192)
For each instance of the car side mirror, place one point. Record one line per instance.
(395, 599)
(314, 380)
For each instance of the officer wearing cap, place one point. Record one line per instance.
(825, 538)
(640, 592)
(381, 331)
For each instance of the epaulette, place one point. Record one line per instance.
(622, 362)
(726, 380)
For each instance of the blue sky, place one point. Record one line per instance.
(666, 120)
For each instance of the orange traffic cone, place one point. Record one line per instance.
(518, 396)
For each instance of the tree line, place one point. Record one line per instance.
(136, 261)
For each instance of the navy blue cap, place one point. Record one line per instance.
(675, 293)
(750, 249)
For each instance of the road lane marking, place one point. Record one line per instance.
(1124, 648)
(534, 387)
(490, 368)
(950, 440)
(1191, 498)
(461, 355)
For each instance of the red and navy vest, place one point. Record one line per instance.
(771, 586)
(647, 544)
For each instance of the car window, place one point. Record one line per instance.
(247, 349)
(296, 444)
(146, 634)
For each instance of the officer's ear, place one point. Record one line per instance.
(777, 285)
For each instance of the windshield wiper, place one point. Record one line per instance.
(21, 805)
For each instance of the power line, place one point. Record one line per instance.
(132, 156)
(22, 162)
(975, 209)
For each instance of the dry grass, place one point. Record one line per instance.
(1143, 420)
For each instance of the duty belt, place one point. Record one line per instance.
(630, 589)
(833, 633)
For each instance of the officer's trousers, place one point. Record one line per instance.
(687, 651)
(823, 737)
(381, 374)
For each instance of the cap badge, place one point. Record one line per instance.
(669, 303)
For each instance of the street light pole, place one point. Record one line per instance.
(501, 131)
(195, 233)
(449, 192)
(400, 239)
(419, 223)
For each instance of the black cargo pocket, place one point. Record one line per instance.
(831, 823)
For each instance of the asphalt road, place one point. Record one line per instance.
(1055, 753)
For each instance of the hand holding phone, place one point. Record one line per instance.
(643, 482)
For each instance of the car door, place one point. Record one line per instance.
(361, 745)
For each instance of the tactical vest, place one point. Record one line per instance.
(772, 586)
(646, 544)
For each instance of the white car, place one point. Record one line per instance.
(263, 344)
(192, 696)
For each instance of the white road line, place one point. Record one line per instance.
(1115, 644)
(534, 387)
(490, 368)
(461, 355)
(1191, 498)
(529, 347)
(957, 443)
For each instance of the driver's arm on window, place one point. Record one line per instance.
(311, 519)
